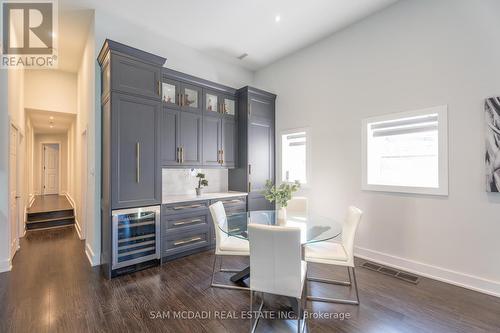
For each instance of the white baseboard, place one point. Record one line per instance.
(78, 229)
(70, 199)
(467, 281)
(31, 200)
(91, 256)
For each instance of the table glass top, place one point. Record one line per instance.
(314, 228)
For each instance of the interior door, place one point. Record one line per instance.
(50, 169)
(13, 185)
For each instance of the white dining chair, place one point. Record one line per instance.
(225, 245)
(337, 254)
(276, 266)
(297, 205)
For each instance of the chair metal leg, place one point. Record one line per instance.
(338, 300)
(224, 286)
(253, 325)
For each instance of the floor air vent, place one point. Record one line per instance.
(405, 276)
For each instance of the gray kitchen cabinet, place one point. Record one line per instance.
(190, 134)
(229, 142)
(256, 146)
(181, 138)
(131, 119)
(212, 136)
(130, 75)
(170, 137)
(135, 139)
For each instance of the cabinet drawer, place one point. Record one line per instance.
(186, 207)
(180, 242)
(183, 222)
(230, 203)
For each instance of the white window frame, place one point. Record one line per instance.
(308, 154)
(442, 112)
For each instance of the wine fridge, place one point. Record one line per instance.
(136, 236)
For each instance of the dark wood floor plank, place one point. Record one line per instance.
(52, 288)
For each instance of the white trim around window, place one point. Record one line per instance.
(307, 134)
(406, 120)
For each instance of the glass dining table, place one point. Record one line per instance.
(314, 228)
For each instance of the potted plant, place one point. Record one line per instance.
(281, 195)
(201, 182)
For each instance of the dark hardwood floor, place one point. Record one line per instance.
(52, 288)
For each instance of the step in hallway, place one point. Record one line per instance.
(50, 211)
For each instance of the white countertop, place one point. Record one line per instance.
(169, 199)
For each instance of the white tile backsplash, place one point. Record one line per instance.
(184, 181)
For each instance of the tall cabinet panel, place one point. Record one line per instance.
(131, 123)
(136, 177)
(190, 138)
(170, 123)
(256, 146)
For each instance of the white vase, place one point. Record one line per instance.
(282, 216)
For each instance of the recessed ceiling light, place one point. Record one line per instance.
(51, 117)
(51, 126)
(277, 18)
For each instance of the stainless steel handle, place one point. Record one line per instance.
(186, 241)
(138, 162)
(186, 207)
(249, 187)
(159, 88)
(249, 169)
(182, 154)
(222, 156)
(187, 222)
(180, 99)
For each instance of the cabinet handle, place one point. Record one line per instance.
(159, 88)
(177, 156)
(180, 99)
(218, 156)
(249, 187)
(249, 169)
(187, 222)
(186, 207)
(182, 154)
(138, 162)
(222, 156)
(185, 241)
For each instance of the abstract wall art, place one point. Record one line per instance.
(492, 158)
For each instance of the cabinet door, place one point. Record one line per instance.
(170, 123)
(136, 172)
(190, 138)
(228, 105)
(211, 140)
(171, 93)
(261, 159)
(135, 77)
(191, 97)
(229, 144)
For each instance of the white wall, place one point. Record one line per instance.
(414, 54)
(4, 174)
(50, 90)
(63, 160)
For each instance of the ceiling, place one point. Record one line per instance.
(227, 29)
(41, 121)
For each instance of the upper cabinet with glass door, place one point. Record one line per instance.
(180, 95)
(228, 105)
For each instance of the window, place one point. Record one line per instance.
(407, 152)
(294, 156)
